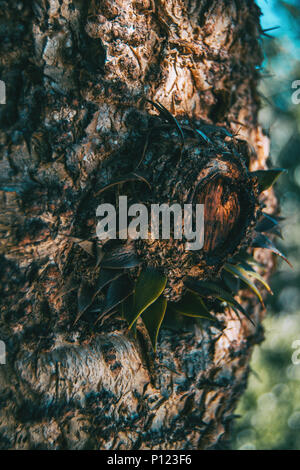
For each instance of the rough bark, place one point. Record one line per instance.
(76, 73)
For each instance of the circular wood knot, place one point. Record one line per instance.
(222, 214)
(230, 205)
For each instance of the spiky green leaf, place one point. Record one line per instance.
(149, 286)
(153, 317)
(175, 321)
(204, 136)
(118, 291)
(246, 258)
(242, 274)
(261, 241)
(269, 224)
(252, 273)
(204, 288)
(210, 128)
(230, 282)
(191, 305)
(105, 277)
(126, 308)
(124, 258)
(266, 178)
(266, 223)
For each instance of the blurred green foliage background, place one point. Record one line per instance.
(270, 409)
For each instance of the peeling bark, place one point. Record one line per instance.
(76, 74)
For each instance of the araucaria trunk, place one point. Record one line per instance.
(156, 100)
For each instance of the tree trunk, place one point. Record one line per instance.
(76, 73)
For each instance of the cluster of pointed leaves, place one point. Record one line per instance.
(145, 299)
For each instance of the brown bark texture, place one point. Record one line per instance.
(76, 74)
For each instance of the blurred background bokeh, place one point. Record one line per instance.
(270, 409)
